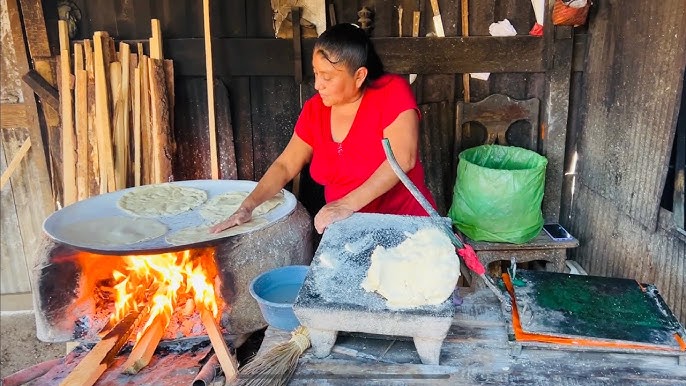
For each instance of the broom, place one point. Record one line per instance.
(276, 366)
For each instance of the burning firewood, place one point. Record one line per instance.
(226, 360)
(145, 346)
(102, 355)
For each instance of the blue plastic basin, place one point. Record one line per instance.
(275, 292)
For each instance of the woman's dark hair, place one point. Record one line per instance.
(349, 45)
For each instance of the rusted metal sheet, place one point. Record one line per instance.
(436, 151)
(631, 104)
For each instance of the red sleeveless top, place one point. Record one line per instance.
(342, 167)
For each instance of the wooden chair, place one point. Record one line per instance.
(497, 114)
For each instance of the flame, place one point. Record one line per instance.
(160, 282)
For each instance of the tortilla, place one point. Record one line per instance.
(113, 231)
(161, 200)
(199, 234)
(219, 208)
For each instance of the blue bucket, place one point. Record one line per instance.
(275, 292)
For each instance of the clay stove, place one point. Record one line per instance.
(74, 289)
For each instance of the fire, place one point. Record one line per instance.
(164, 279)
(155, 284)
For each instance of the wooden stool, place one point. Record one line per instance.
(540, 248)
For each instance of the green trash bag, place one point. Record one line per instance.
(498, 193)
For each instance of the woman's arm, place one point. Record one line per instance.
(403, 135)
(291, 161)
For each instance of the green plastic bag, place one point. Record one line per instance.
(498, 193)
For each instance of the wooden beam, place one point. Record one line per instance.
(521, 53)
(137, 126)
(93, 155)
(123, 164)
(39, 50)
(81, 123)
(214, 163)
(226, 360)
(146, 124)
(14, 164)
(102, 116)
(67, 115)
(41, 87)
(156, 40)
(464, 9)
(38, 188)
(119, 138)
(13, 115)
(456, 55)
(162, 143)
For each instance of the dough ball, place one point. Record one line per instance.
(422, 270)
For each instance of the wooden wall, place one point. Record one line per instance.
(25, 199)
(628, 111)
(256, 76)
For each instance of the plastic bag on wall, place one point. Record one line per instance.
(570, 12)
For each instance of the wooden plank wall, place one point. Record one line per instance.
(632, 88)
(26, 199)
(265, 108)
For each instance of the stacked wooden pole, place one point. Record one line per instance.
(117, 123)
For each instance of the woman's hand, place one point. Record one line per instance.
(330, 213)
(241, 216)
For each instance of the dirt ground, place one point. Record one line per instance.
(19, 347)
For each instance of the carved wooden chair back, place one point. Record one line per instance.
(497, 113)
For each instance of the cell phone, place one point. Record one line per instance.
(557, 232)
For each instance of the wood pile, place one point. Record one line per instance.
(117, 114)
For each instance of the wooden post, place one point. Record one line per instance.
(465, 32)
(67, 115)
(137, 126)
(162, 144)
(146, 124)
(118, 136)
(102, 117)
(94, 161)
(214, 160)
(81, 114)
(415, 33)
(123, 149)
(156, 40)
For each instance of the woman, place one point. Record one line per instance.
(339, 132)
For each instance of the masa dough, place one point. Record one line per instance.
(202, 233)
(161, 200)
(219, 208)
(113, 231)
(422, 270)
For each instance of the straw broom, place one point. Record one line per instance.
(276, 366)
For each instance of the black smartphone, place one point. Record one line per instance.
(557, 232)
